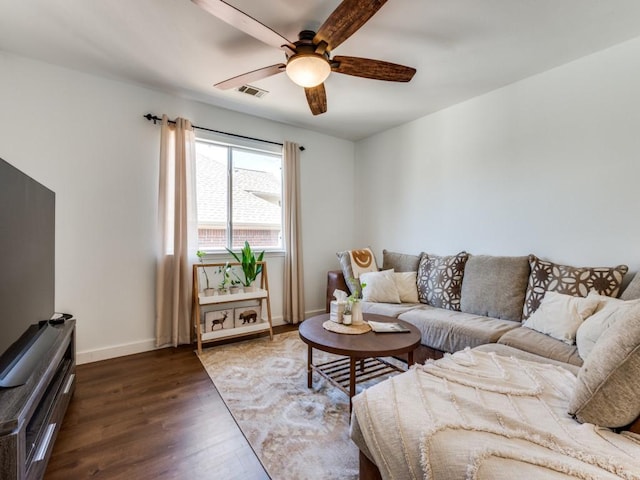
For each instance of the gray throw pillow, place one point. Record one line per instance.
(440, 280)
(399, 262)
(608, 392)
(632, 292)
(495, 286)
(577, 281)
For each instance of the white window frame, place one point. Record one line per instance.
(231, 142)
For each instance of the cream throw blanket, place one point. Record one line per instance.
(477, 415)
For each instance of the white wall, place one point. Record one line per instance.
(549, 165)
(84, 137)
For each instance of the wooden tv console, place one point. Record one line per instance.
(31, 415)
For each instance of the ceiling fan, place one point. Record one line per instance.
(309, 62)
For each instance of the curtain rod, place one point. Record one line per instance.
(155, 119)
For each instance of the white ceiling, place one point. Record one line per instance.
(460, 48)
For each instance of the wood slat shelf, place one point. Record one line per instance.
(232, 297)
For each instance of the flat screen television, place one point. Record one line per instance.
(27, 274)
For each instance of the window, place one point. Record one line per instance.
(238, 195)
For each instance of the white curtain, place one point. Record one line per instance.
(293, 308)
(176, 226)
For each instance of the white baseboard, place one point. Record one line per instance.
(313, 313)
(89, 356)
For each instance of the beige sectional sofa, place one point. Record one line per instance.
(496, 294)
(512, 401)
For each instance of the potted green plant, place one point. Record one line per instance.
(236, 286)
(346, 315)
(248, 261)
(208, 291)
(226, 278)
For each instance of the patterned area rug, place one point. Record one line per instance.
(298, 433)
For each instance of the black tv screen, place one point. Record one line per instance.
(27, 259)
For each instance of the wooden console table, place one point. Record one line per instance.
(31, 414)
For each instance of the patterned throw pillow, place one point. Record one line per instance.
(440, 280)
(354, 263)
(577, 281)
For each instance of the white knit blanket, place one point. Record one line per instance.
(477, 415)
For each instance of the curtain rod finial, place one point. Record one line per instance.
(301, 148)
(152, 118)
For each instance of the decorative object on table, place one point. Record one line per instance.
(247, 316)
(218, 320)
(346, 329)
(346, 316)
(208, 291)
(356, 308)
(387, 327)
(338, 306)
(248, 261)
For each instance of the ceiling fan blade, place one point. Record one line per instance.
(375, 69)
(317, 99)
(240, 20)
(346, 20)
(251, 76)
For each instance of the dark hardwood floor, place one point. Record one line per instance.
(155, 415)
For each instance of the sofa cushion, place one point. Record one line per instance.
(406, 283)
(609, 311)
(507, 351)
(364, 261)
(577, 281)
(440, 280)
(495, 286)
(632, 292)
(387, 309)
(531, 341)
(451, 331)
(607, 392)
(560, 316)
(400, 262)
(379, 287)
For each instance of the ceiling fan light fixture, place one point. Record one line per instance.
(308, 70)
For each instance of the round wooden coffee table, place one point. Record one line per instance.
(367, 348)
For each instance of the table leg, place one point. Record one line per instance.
(362, 364)
(410, 358)
(352, 379)
(309, 363)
